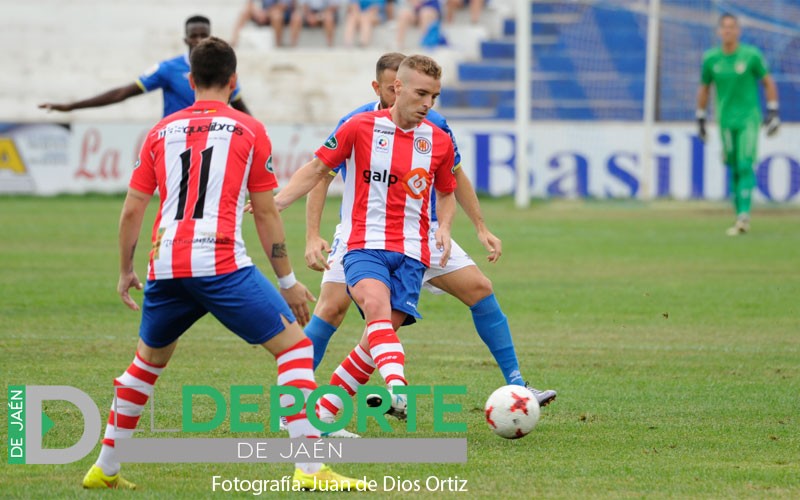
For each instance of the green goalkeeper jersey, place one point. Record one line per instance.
(735, 77)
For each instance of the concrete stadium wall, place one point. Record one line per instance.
(62, 50)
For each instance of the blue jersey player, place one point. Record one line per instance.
(171, 76)
(461, 277)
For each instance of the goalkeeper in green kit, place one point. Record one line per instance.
(735, 70)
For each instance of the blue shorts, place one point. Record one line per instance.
(400, 273)
(244, 301)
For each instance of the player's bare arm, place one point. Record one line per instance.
(468, 200)
(269, 227)
(445, 211)
(130, 224)
(317, 247)
(110, 97)
(301, 183)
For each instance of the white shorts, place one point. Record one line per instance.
(458, 260)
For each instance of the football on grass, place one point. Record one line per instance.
(512, 411)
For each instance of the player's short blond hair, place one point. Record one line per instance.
(422, 64)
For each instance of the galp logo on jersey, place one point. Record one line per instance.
(382, 176)
(422, 146)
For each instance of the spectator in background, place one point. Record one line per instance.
(273, 13)
(425, 14)
(171, 76)
(314, 13)
(475, 9)
(362, 16)
(390, 5)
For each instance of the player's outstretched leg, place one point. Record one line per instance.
(352, 373)
(320, 333)
(469, 285)
(492, 327)
(132, 389)
(387, 352)
(330, 311)
(295, 370)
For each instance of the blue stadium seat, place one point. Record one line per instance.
(588, 62)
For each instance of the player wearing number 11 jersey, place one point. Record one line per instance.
(202, 161)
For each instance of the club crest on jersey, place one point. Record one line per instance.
(416, 183)
(740, 67)
(269, 165)
(331, 143)
(382, 144)
(422, 146)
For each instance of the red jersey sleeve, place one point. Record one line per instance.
(339, 146)
(444, 179)
(262, 176)
(143, 177)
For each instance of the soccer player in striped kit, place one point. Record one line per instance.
(203, 160)
(393, 158)
(461, 278)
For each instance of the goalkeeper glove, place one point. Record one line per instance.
(701, 124)
(772, 121)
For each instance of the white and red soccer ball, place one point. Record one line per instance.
(512, 411)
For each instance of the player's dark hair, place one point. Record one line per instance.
(390, 60)
(212, 62)
(424, 65)
(196, 20)
(727, 16)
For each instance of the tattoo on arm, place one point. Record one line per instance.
(279, 250)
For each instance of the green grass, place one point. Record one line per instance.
(675, 349)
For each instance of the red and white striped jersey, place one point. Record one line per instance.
(388, 181)
(203, 160)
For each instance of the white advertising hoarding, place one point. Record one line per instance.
(568, 159)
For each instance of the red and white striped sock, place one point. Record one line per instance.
(131, 391)
(387, 352)
(296, 369)
(352, 373)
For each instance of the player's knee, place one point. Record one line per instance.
(332, 311)
(482, 288)
(373, 306)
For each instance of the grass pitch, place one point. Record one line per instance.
(675, 350)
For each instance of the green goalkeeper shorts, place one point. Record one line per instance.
(740, 146)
